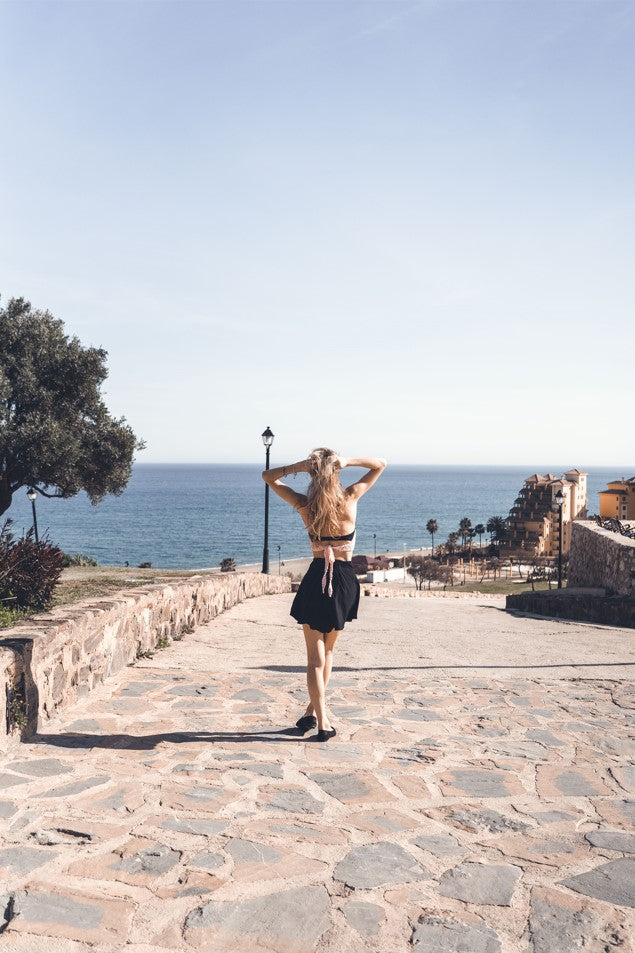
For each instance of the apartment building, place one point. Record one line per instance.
(619, 499)
(533, 521)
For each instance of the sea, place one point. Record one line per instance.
(191, 516)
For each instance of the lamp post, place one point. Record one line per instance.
(32, 495)
(375, 543)
(267, 439)
(559, 503)
(278, 558)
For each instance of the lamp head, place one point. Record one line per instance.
(31, 494)
(559, 497)
(267, 437)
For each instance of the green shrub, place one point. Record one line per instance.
(16, 704)
(9, 617)
(228, 564)
(78, 559)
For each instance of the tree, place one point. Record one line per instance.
(445, 575)
(519, 566)
(497, 527)
(441, 552)
(464, 529)
(56, 434)
(432, 527)
(414, 570)
(479, 529)
(453, 539)
(423, 569)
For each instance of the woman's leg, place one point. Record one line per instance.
(316, 659)
(330, 639)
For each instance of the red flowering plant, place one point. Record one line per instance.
(29, 570)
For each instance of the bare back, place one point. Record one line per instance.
(346, 525)
(344, 528)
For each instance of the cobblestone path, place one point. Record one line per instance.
(465, 806)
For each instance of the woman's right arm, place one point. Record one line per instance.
(375, 465)
(272, 478)
(274, 474)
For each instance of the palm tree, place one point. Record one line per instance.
(464, 528)
(453, 539)
(432, 527)
(497, 527)
(479, 529)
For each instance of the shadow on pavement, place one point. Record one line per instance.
(72, 739)
(408, 668)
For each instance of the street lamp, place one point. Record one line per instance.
(559, 503)
(375, 543)
(278, 558)
(32, 495)
(267, 439)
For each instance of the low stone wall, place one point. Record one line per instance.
(601, 558)
(385, 592)
(56, 657)
(576, 606)
(11, 677)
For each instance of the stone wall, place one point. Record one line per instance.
(56, 657)
(601, 558)
(576, 605)
(11, 678)
(385, 592)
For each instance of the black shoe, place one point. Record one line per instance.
(324, 735)
(306, 722)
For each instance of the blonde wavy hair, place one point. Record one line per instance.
(325, 495)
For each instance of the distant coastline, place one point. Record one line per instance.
(179, 516)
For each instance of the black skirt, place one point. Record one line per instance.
(322, 612)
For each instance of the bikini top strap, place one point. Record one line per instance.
(328, 539)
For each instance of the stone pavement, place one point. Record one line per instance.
(479, 796)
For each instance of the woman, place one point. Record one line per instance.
(328, 595)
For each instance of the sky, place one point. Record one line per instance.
(399, 229)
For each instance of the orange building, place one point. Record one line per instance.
(619, 499)
(533, 521)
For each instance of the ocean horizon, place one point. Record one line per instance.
(193, 515)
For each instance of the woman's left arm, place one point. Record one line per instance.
(272, 478)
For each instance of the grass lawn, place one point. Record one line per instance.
(502, 587)
(86, 582)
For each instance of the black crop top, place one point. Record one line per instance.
(330, 539)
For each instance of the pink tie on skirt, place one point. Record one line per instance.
(329, 559)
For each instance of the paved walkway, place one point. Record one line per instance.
(479, 796)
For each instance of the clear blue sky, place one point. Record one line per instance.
(396, 228)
